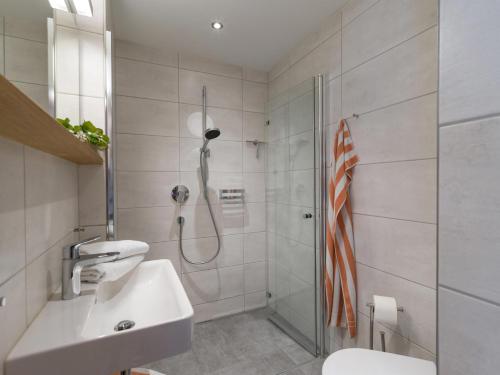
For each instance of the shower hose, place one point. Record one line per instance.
(180, 219)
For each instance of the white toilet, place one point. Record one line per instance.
(371, 362)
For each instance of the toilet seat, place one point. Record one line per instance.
(371, 362)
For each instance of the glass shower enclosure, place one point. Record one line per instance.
(294, 198)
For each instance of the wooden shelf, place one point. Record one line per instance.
(23, 121)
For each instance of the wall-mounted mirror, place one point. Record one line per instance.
(24, 47)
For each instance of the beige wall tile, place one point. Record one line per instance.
(147, 153)
(151, 224)
(221, 91)
(354, 8)
(403, 248)
(254, 75)
(26, 28)
(25, 60)
(12, 229)
(254, 96)
(327, 28)
(51, 200)
(254, 126)
(201, 64)
(218, 309)
(13, 316)
(302, 188)
(43, 276)
(165, 250)
(254, 247)
(404, 72)
(229, 121)
(255, 217)
(469, 70)
(255, 300)
(202, 249)
(255, 277)
(92, 231)
(139, 52)
(469, 208)
(402, 190)
(145, 189)
(302, 150)
(333, 92)
(280, 67)
(143, 80)
(198, 223)
(395, 342)
(38, 93)
(226, 156)
(92, 194)
(405, 131)
(325, 59)
(418, 322)
(148, 117)
(383, 26)
(467, 335)
(277, 89)
(255, 187)
(212, 285)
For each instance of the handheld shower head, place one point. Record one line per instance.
(209, 134)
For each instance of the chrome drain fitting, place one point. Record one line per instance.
(124, 325)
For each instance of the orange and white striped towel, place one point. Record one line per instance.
(340, 272)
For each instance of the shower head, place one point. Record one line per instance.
(211, 133)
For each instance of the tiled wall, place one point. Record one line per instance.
(381, 59)
(38, 194)
(158, 120)
(469, 180)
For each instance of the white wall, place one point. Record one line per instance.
(38, 194)
(469, 179)
(158, 120)
(380, 57)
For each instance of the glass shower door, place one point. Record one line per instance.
(291, 214)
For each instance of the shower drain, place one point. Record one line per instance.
(124, 325)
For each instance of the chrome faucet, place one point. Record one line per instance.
(72, 260)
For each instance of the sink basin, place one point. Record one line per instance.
(78, 336)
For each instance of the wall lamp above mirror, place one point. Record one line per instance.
(80, 7)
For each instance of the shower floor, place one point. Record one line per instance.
(243, 344)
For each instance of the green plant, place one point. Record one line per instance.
(86, 132)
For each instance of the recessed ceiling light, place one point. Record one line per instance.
(216, 25)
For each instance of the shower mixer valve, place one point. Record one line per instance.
(180, 194)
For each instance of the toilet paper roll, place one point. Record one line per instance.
(386, 310)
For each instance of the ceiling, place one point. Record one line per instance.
(256, 33)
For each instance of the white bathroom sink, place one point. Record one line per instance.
(78, 337)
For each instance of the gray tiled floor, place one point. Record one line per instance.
(243, 344)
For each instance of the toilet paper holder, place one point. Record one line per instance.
(372, 325)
